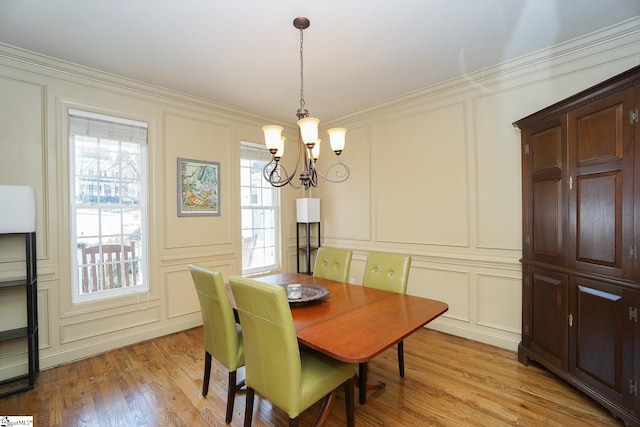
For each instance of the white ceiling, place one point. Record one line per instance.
(245, 53)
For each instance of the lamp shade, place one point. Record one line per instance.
(272, 136)
(308, 209)
(337, 138)
(17, 209)
(315, 151)
(309, 129)
(280, 149)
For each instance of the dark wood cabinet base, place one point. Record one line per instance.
(526, 357)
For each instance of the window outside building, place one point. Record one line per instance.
(260, 212)
(108, 205)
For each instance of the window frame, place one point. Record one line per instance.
(141, 261)
(274, 207)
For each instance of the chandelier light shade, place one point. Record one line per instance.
(315, 151)
(273, 138)
(308, 143)
(337, 138)
(309, 130)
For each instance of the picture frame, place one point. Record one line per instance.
(198, 187)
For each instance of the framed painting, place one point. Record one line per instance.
(198, 187)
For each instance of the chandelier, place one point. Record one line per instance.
(308, 143)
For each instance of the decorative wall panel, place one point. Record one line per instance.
(420, 178)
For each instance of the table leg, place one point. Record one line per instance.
(361, 382)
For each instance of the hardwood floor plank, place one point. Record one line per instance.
(449, 381)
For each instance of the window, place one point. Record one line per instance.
(107, 158)
(260, 215)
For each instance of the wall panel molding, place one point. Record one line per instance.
(94, 326)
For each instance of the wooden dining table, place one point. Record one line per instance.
(354, 323)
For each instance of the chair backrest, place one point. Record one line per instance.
(221, 337)
(333, 264)
(272, 356)
(248, 244)
(387, 271)
(119, 267)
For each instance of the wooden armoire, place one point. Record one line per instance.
(580, 237)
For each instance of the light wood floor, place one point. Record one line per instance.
(449, 381)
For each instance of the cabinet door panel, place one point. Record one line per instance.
(634, 343)
(599, 135)
(601, 352)
(598, 341)
(547, 218)
(601, 199)
(599, 219)
(546, 150)
(546, 324)
(545, 206)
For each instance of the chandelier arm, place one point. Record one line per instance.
(313, 173)
(273, 177)
(276, 174)
(272, 173)
(338, 169)
(305, 174)
(295, 170)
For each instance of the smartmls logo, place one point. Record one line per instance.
(15, 421)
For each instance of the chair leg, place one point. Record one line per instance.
(325, 408)
(248, 409)
(401, 358)
(349, 403)
(207, 374)
(231, 396)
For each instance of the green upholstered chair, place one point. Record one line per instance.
(333, 264)
(222, 334)
(291, 378)
(389, 272)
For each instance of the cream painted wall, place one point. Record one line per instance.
(435, 174)
(36, 94)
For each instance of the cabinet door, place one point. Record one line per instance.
(634, 314)
(601, 199)
(544, 204)
(601, 351)
(545, 327)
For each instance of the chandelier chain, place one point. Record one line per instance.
(302, 103)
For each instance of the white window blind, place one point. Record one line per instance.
(99, 126)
